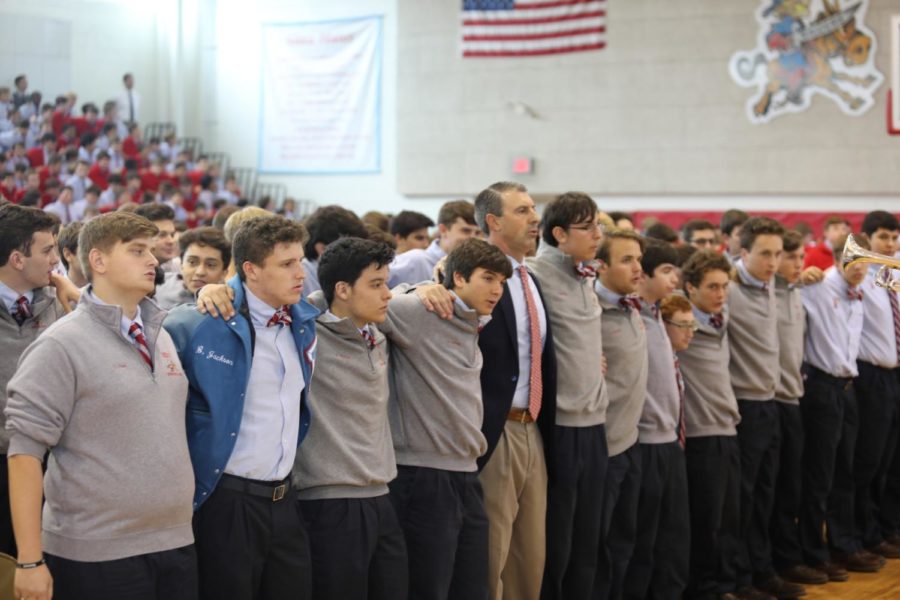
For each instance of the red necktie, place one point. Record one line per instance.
(716, 320)
(23, 310)
(282, 316)
(367, 335)
(895, 310)
(585, 270)
(629, 303)
(854, 294)
(535, 382)
(140, 342)
(679, 380)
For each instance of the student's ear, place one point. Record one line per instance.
(97, 261)
(690, 289)
(320, 248)
(249, 269)
(560, 234)
(744, 254)
(602, 267)
(443, 230)
(458, 280)
(342, 291)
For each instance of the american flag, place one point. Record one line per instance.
(532, 27)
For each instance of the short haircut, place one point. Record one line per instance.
(155, 212)
(803, 227)
(672, 304)
(473, 254)
(618, 215)
(330, 223)
(566, 210)
(380, 235)
(688, 229)
(489, 201)
(662, 232)
(879, 219)
(834, 220)
(209, 237)
(613, 234)
(238, 218)
(406, 222)
(222, 215)
(862, 240)
(18, 224)
(107, 230)
(684, 252)
(757, 226)
(456, 209)
(793, 240)
(656, 253)
(256, 239)
(68, 240)
(346, 259)
(732, 218)
(700, 263)
(378, 220)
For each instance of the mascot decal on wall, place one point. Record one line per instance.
(808, 47)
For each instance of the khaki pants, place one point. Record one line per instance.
(515, 498)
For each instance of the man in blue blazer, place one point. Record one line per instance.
(246, 417)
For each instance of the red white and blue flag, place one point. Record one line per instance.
(532, 27)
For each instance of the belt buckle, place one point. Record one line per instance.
(278, 492)
(523, 417)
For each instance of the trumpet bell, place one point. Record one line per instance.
(855, 254)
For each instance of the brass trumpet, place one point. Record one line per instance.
(854, 253)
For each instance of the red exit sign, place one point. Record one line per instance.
(523, 165)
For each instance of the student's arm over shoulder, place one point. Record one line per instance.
(405, 320)
(40, 397)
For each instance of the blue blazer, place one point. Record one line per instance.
(216, 356)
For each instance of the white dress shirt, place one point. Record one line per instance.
(10, 297)
(878, 344)
(416, 265)
(523, 331)
(66, 214)
(125, 323)
(834, 325)
(267, 439)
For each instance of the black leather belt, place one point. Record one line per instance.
(272, 490)
(843, 383)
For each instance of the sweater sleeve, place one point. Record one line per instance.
(403, 322)
(41, 396)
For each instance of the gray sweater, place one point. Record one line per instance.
(14, 339)
(119, 481)
(791, 332)
(172, 293)
(348, 451)
(659, 419)
(710, 407)
(625, 347)
(575, 316)
(436, 409)
(753, 337)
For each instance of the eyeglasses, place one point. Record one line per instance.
(588, 227)
(692, 325)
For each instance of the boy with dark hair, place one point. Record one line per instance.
(325, 225)
(456, 223)
(659, 565)
(347, 461)
(68, 253)
(755, 371)
(410, 230)
(165, 248)
(566, 268)
(28, 256)
(436, 418)
(622, 220)
(699, 233)
(730, 226)
(877, 387)
(625, 348)
(249, 376)
(205, 256)
(712, 453)
(662, 232)
(834, 322)
(117, 518)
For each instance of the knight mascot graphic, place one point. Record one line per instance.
(809, 47)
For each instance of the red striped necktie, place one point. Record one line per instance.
(535, 378)
(282, 316)
(895, 310)
(23, 310)
(679, 380)
(140, 342)
(367, 335)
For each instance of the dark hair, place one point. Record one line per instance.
(378, 220)
(330, 223)
(489, 201)
(17, 80)
(732, 218)
(793, 240)
(879, 219)
(32, 198)
(256, 239)
(688, 229)
(700, 263)
(684, 253)
(803, 227)
(346, 259)
(68, 240)
(473, 254)
(656, 253)
(206, 236)
(222, 216)
(565, 210)
(18, 224)
(107, 230)
(406, 222)
(155, 212)
(662, 232)
(456, 209)
(618, 215)
(756, 227)
(834, 220)
(615, 233)
(380, 235)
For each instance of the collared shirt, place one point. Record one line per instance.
(79, 186)
(749, 279)
(267, 439)
(703, 317)
(10, 298)
(416, 265)
(878, 344)
(311, 283)
(834, 325)
(523, 331)
(330, 317)
(67, 214)
(482, 319)
(606, 294)
(125, 324)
